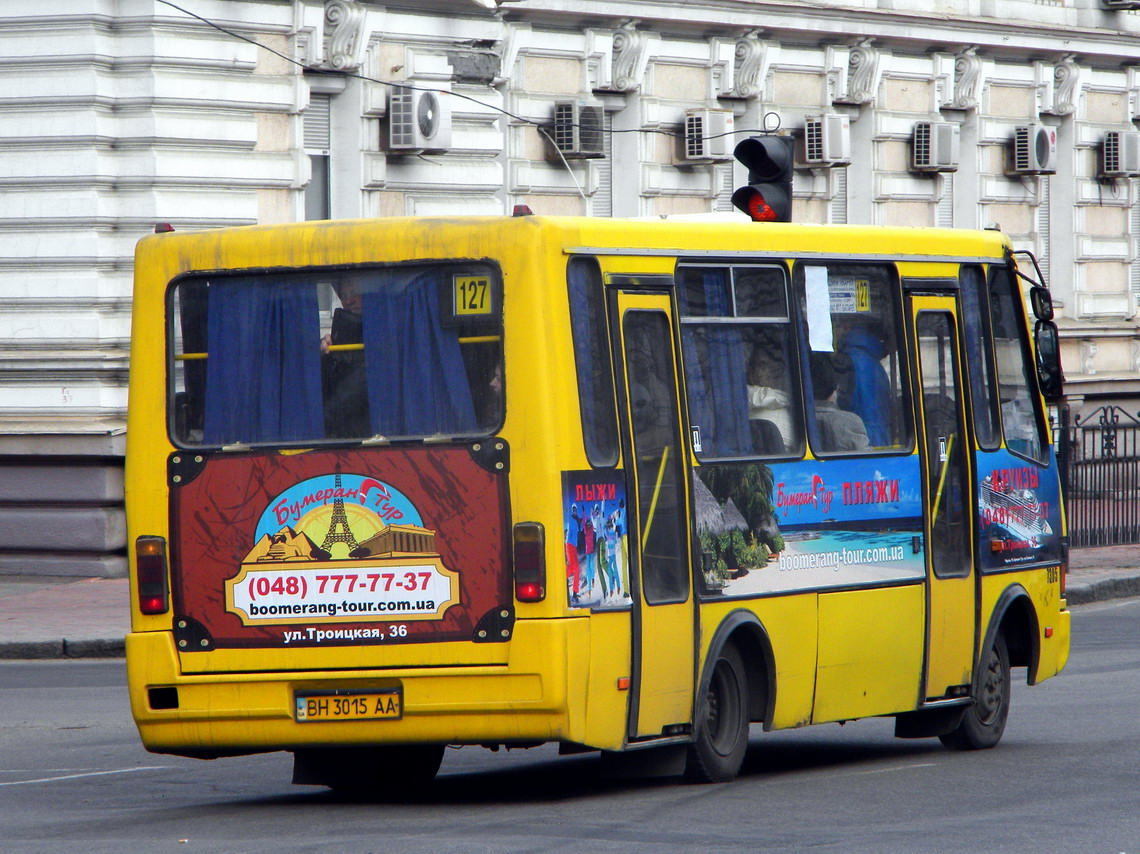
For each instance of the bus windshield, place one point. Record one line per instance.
(285, 357)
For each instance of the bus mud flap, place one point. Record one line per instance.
(928, 723)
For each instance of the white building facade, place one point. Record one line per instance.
(119, 114)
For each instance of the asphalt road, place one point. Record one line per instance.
(73, 777)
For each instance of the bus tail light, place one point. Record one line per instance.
(150, 560)
(530, 562)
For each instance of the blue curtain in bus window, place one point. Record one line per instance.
(718, 395)
(263, 373)
(591, 356)
(870, 395)
(417, 384)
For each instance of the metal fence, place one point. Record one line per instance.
(1099, 457)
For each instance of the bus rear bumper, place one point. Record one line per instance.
(234, 713)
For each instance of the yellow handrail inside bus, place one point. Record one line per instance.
(340, 348)
(656, 494)
(942, 480)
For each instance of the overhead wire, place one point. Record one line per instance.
(540, 126)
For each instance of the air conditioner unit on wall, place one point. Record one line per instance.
(1120, 154)
(935, 147)
(419, 119)
(708, 135)
(578, 129)
(827, 140)
(1034, 149)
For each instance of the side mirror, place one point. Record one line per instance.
(1042, 302)
(1048, 345)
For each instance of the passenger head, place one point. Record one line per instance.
(764, 369)
(824, 379)
(348, 291)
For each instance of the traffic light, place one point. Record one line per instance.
(768, 196)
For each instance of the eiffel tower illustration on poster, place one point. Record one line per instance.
(339, 532)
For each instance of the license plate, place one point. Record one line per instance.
(362, 706)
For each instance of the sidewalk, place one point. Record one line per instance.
(64, 618)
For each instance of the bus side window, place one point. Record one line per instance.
(592, 360)
(979, 362)
(852, 317)
(740, 365)
(1021, 416)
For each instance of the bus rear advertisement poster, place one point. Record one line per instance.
(293, 541)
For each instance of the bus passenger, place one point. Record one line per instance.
(839, 430)
(343, 372)
(767, 399)
(868, 392)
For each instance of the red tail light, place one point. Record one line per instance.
(153, 589)
(530, 562)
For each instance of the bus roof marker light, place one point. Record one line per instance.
(163, 228)
(522, 210)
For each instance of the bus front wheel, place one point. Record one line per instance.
(721, 728)
(984, 722)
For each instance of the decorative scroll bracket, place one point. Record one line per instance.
(629, 57)
(863, 62)
(749, 67)
(1064, 88)
(968, 80)
(344, 28)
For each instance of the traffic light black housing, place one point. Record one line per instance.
(768, 196)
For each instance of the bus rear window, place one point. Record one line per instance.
(402, 352)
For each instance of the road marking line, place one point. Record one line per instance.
(42, 770)
(88, 774)
(895, 768)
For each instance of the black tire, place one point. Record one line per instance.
(392, 771)
(720, 736)
(984, 721)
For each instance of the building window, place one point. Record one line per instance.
(317, 141)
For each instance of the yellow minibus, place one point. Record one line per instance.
(623, 486)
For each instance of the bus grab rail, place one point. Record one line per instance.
(340, 348)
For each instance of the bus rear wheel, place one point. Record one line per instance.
(396, 770)
(721, 727)
(984, 722)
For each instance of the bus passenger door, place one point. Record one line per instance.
(663, 608)
(947, 451)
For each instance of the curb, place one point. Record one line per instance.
(40, 650)
(1087, 592)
